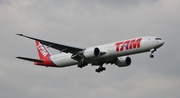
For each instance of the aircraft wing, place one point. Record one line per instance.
(60, 47)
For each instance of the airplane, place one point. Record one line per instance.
(113, 53)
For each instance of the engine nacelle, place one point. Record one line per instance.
(123, 61)
(90, 53)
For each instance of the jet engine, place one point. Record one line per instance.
(123, 61)
(92, 52)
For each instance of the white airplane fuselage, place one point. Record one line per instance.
(113, 53)
(112, 50)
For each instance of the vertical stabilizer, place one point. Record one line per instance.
(42, 51)
(44, 55)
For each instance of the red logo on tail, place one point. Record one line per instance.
(41, 48)
(44, 55)
(42, 51)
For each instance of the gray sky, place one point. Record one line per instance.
(84, 23)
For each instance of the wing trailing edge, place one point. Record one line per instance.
(60, 47)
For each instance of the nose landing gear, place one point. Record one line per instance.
(152, 52)
(151, 56)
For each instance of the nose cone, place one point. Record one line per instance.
(162, 42)
(159, 43)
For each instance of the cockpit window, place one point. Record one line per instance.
(158, 39)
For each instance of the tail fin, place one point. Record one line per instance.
(42, 51)
(44, 56)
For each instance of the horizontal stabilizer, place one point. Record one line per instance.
(30, 59)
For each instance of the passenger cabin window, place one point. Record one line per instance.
(158, 38)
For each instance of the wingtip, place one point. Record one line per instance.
(18, 57)
(20, 34)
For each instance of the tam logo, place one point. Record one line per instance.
(128, 44)
(42, 49)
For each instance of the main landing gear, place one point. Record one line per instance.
(152, 52)
(82, 64)
(100, 69)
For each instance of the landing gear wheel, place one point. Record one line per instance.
(82, 64)
(100, 69)
(151, 56)
(97, 70)
(103, 68)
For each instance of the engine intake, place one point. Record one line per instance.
(123, 61)
(90, 53)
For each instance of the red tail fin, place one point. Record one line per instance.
(42, 51)
(44, 55)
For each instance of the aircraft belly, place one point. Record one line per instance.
(102, 58)
(63, 61)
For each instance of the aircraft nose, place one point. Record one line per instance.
(160, 43)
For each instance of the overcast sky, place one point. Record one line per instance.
(84, 23)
